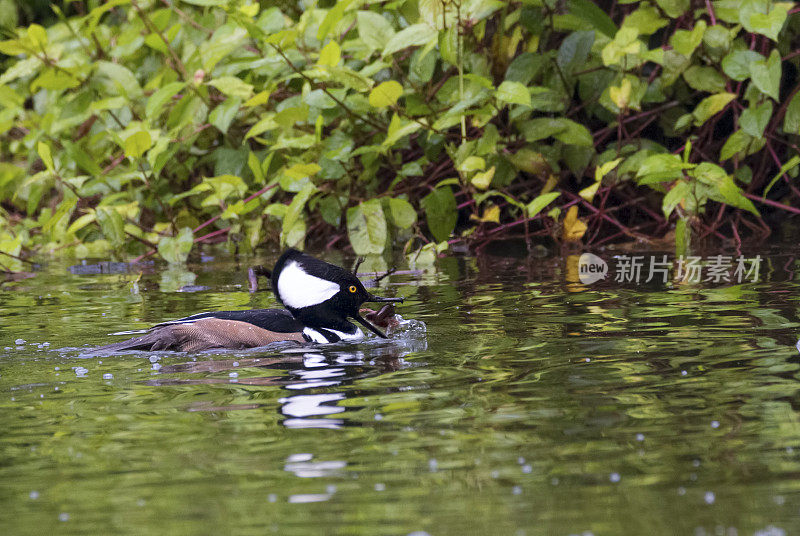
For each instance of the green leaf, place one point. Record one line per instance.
(82, 159)
(175, 250)
(734, 197)
(232, 87)
(541, 201)
(385, 94)
(330, 55)
(483, 179)
(158, 99)
(448, 45)
(414, 35)
(472, 163)
(574, 50)
(736, 63)
(792, 163)
(791, 121)
(349, 78)
(562, 129)
(755, 118)
(737, 142)
(222, 116)
(513, 93)
(673, 8)
(764, 16)
(685, 41)
(111, 224)
(332, 18)
(440, 212)
(766, 75)
(645, 21)
(293, 222)
(710, 106)
(137, 144)
(47, 157)
(374, 29)
(366, 227)
(402, 212)
(674, 197)
(591, 13)
(662, 166)
(399, 129)
(38, 37)
(704, 79)
(264, 124)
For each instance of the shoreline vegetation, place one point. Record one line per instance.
(139, 128)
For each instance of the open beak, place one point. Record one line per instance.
(373, 329)
(373, 298)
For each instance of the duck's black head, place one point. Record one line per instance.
(321, 295)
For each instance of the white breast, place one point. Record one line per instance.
(299, 289)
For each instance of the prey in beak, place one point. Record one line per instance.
(382, 317)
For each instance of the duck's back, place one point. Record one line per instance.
(219, 329)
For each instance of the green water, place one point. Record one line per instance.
(532, 406)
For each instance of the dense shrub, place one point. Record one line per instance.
(133, 126)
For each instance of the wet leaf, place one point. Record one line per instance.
(402, 212)
(366, 227)
(440, 212)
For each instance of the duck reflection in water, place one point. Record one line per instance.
(311, 369)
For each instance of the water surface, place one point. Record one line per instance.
(534, 405)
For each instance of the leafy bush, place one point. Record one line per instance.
(138, 126)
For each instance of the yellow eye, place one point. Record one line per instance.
(352, 289)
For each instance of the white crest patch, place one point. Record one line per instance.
(299, 289)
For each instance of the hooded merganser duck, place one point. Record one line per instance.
(319, 298)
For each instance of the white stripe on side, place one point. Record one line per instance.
(318, 337)
(299, 289)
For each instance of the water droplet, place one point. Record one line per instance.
(614, 477)
(235, 363)
(234, 374)
(684, 373)
(527, 469)
(272, 498)
(108, 376)
(639, 437)
(516, 490)
(19, 342)
(681, 491)
(331, 489)
(63, 516)
(709, 497)
(378, 417)
(433, 465)
(380, 487)
(520, 460)
(34, 495)
(714, 424)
